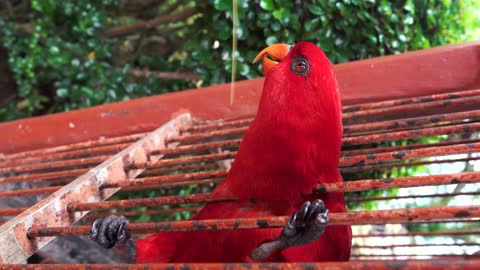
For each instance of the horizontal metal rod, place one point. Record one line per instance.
(164, 179)
(351, 186)
(182, 160)
(411, 100)
(43, 176)
(216, 133)
(351, 218)
(410, 154)
(10, 212)
(183, 168)
(416, 245)
(399, 182)
(411, 134)
(69, 147)
(145, 212)
(438, 264)
(413, 196)
(411, 107)
(400, 164)
(220, 125)
(448, 233)
(351, 129)
(195, 148)
(56, 164)
(382, 149)
(31, 191)
(173, 184)
(85, 152)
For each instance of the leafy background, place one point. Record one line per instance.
(64, 55)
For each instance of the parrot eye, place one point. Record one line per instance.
(300, 66)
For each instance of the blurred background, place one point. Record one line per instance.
(58, 56)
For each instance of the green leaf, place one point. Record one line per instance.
(268, 5)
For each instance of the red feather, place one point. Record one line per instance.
(292, 145)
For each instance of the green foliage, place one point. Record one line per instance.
(64, 62)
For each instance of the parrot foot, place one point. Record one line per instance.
(303, 227)
(110, 231)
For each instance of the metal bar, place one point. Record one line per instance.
(410, 100)
(10, 212)
(195, 148)
(184, 168)
(173, 184)
(413, 196)
(410, 122)
(350, 218)
(65, 155)
(15, 247)
(399, 182)
(32, 191)
(410, 107)
(437, 264)
(416, 245)
(163, 179)
(55, 165)
(449, 233)
(215, 133)
(382, 165)
(381, 149)
(411, 134)
(145, 212)
(410, 154)
(220, 125)
(43, 176)
(69, 147)
(352, 186)
(178, 161)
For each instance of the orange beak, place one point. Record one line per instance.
(272, 55)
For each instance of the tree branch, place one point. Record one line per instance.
(146, 25)
(163, 75)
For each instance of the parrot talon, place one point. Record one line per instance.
(303, 227)
(112, 230)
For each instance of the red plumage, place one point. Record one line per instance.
(292, 145)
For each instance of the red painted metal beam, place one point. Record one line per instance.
(438, 70)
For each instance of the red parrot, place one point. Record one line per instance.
(292, 145)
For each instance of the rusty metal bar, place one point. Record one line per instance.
(32, 191)
(352, 186)
(413, 196)
(195, 148)
(165, 200)
(184, 168)
(416, 245)
(410, 154)
(410, 122)
(43, 176)
(411, 134)
(145, 212)
(410, 107)
(178, 161)
(417, 264)
(399, 182)
(351, 218)
(16, 247)
(220, 125)
(381, 149)
(10, 212)
(62, 148)
(56, 164)
(382, 165)
(410, 100)
(210, 134)
(163, 179)
(423, 234)
(173, 184)
(65, 155)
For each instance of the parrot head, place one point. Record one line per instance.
(272, 55)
